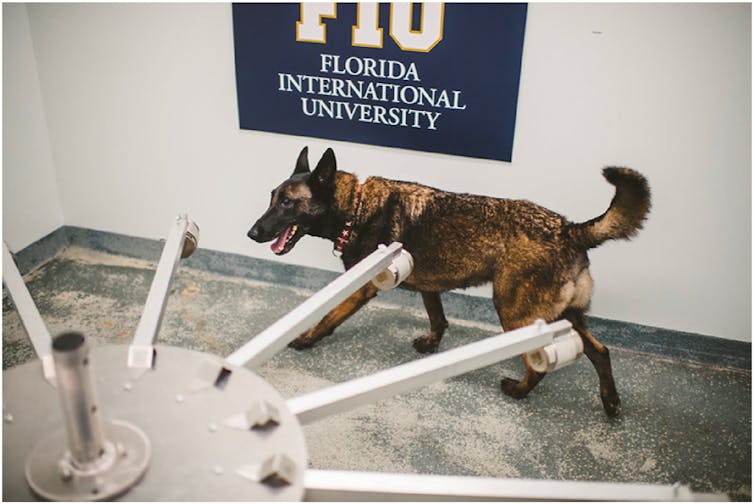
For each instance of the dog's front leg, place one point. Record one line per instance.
(336, 317)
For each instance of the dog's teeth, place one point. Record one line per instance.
(294, 228)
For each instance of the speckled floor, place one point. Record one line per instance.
(681, 422)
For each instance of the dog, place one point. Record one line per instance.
(535, 258)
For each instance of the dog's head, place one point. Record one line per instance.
(298, 204)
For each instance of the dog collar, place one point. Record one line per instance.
(345, 235)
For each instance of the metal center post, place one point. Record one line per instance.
(93, 458)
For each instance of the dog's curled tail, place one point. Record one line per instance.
(625, 215)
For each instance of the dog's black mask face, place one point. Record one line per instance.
(298, 204)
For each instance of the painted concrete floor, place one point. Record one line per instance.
(681, 422)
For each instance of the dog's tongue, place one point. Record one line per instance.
(279, 244)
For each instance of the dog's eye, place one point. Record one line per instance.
(286, 201)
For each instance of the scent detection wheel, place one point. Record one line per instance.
(148, 422)
(217, 432)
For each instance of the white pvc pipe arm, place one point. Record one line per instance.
(29, 315)
(350, 486)
(345, 396)
(266, 344)
(140, 353)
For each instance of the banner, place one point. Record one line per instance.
(431, 77)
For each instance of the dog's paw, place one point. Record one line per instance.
(309, 338)
(303, 342)
(612, 405)
(426, 344)
(510, 387)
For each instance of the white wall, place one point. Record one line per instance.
(31, 207)
(141, 107)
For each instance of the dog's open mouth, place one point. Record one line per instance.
(285, 242)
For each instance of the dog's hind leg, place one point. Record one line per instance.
(600, 357)
(519, 305)
(437, 323)
(336, 317)
(520, 389)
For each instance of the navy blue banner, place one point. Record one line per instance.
(431, 77)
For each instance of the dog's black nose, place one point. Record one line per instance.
(258, 233)
(253, 233)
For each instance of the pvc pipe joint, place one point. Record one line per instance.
(562, 351)
(191, 241)
(396, 272)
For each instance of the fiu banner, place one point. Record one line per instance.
(432, 77)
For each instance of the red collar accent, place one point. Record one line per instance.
(345, 235)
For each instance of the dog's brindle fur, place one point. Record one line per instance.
(535, 258)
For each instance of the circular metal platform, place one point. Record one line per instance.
(217, 432)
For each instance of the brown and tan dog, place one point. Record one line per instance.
(535, 258)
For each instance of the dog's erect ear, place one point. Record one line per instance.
(302, 163)
(323, 176)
